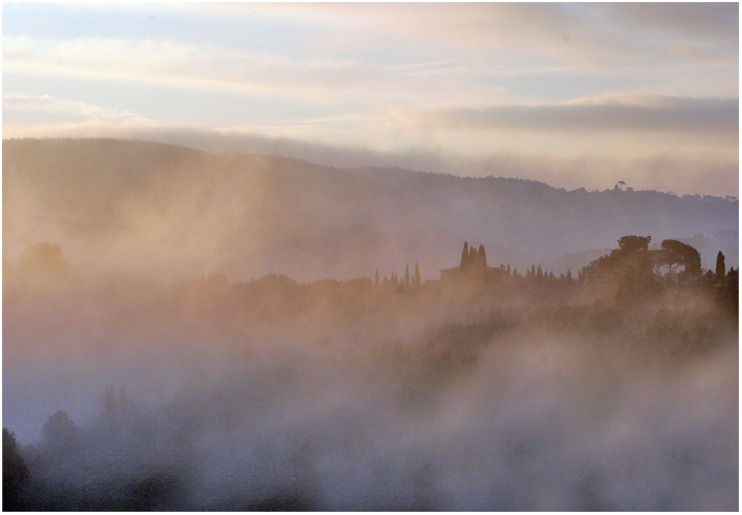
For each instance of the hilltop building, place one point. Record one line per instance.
(473, 267)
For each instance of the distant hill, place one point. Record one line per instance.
(169, 210)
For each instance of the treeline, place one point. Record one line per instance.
(631, 271)
(641, 305)
(260, 206)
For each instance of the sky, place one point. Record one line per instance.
(574, 95)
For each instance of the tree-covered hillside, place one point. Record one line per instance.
(257, 214)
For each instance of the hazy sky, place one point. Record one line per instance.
(570, 94)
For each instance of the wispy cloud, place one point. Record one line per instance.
(683, 170)
(717, 23)
(614, 81)
(619, 113)
(48, 105)
(569, 32)
(216, 67)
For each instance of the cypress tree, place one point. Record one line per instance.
(720, 268)
(417, 278)
(465, 254)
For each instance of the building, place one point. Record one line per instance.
(473, 267)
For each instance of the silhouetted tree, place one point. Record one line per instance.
(720, 268)
(116, 402)
(629, 267)
(730, 292)
(15, 473)
(417, 278)
(482, 255)
(569, 276)
(407, 276)
(634, 243)
(465, 254)
(683, 254)
(60, 433)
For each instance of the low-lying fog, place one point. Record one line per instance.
(137, 376)
(205, 394)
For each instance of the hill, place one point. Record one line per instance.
(155, 208)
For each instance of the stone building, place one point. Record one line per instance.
(473, 267)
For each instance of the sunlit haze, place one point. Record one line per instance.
(370, 257)
(574, 95)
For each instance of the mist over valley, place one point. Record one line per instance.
(149, 208)
(193, 331)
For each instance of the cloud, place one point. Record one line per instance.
(616, 113)
(190, 65)
(717, 22)
(363, 48)
(679, 169)
(573, 33)
(315, 79)
(48, 105)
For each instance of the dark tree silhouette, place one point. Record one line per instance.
(417, 278)
(730, 292)
(15, 473)
(720, 268)
(465, 254)
(633, 243)
(683, 254)
(629, 266)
